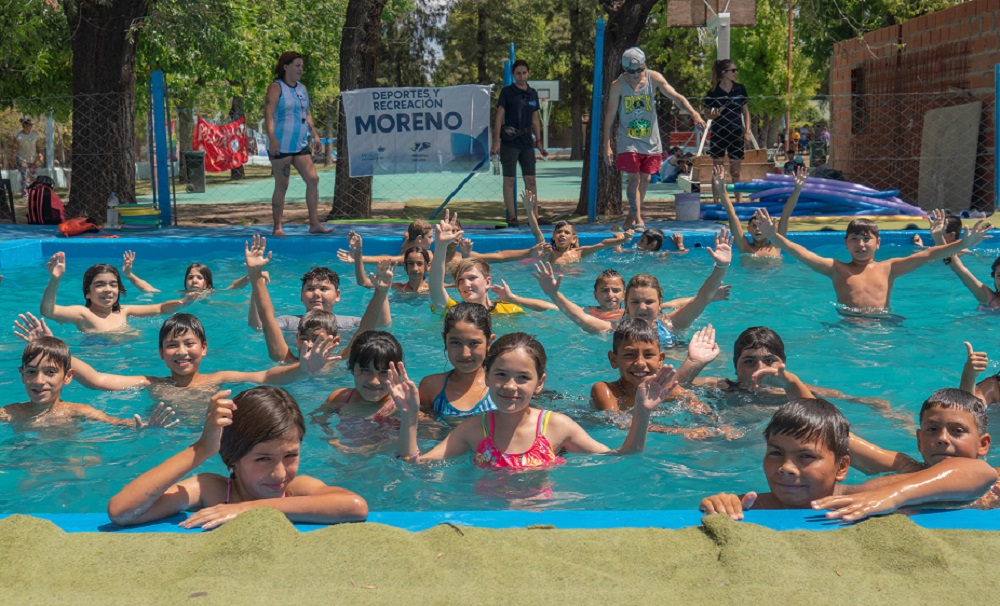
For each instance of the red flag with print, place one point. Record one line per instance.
(225, 146)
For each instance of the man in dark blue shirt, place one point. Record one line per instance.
(516, 121)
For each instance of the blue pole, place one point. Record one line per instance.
(162, 145)
(512, 57)
(996, 137)
(595, 123)
(508, 73)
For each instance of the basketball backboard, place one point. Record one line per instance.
(547, 89)
(695, 13)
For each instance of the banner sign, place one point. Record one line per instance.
(393, 131)
(225, 146)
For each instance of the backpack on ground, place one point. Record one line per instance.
(45, 207)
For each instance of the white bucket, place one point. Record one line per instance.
(688, 206)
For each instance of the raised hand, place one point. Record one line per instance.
(465, 247)
(776, 375)
(542, 249)
(976, 234)
(354, 241)
(446, 230)
(384, 273)
(801, 174)
(718, 177)
(253, 253)
(127, 260)
(722, 254)
(316, 357)
(404, 392)
(57, 265)
(219, 416)
(703, 348)
(162, 417)
(345, 256)
(547, 278)
(766, 223)
(529, 200)
(655, 389)
(976, 361)
(28, 327)
(502, 291)
(938, 221)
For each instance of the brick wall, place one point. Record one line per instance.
(883, 84)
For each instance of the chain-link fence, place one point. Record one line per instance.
(937, 149)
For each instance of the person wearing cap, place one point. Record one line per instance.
(26, 155)
(516, 120)
(633, 98)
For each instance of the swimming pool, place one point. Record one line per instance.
(77, 471)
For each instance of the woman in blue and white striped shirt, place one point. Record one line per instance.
(289, 127)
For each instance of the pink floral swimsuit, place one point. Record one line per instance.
(541, 454)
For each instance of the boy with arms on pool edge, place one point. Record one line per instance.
(866, 284)
(808, 455)
(45, 370)
(952, 429)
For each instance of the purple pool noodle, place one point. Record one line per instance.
(829, 182)
(903, 207)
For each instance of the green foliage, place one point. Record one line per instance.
(407, 52)
(682, 54)
(34, 56)
(761, 52)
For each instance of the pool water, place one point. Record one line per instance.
(78, 470)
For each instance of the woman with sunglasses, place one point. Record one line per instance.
(290, 127)
(726, 105)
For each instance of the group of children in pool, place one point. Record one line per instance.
(487, 397)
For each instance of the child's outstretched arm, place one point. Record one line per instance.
(312, 360)
(378, 305)
(975, 363)
(165, 308)
(983, 293)
(90, 378)
(406, 397)
(550, 283)
(239, 283)
(702, 351)
(504, 293)
(617, 240)
(973, 236)
(256, 261)
(446, 234)
(871, 459)
(539, 250)
(721, 294)
(721, 196)
(530, 203)
(801, 174)
(823, 265)
(157, 494)
(128, 259)
(952, 480)
(161, 417)
(57, 269)
(722, 254)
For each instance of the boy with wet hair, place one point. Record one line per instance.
(952, 430)
(45, 369)
(864, 285)
(809, 450)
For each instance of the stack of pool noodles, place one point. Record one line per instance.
(820, 197)
(138, 217)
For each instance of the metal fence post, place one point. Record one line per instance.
(595, 123)
(162, 146)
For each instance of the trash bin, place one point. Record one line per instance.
(688, 206)
(193, 165)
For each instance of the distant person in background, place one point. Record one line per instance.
(633, 98)
(515, 123)
(825, 136)
(727, 105)
(289, 127)
(26, 155)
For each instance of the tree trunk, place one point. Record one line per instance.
(235, 113)
(625, 21)
(580, 40)
(352, 198)
(103, 102)
(185, 136)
